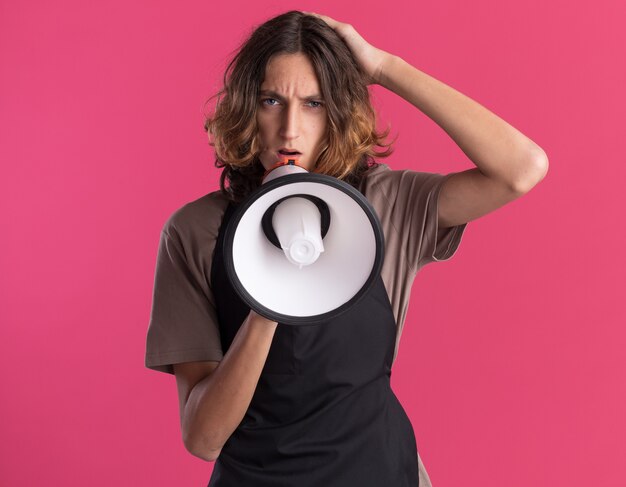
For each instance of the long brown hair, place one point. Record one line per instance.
(352, 135)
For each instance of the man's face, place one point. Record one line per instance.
(291, 116)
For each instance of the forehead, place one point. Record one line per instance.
(287, 73)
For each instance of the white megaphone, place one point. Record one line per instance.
(303, 248)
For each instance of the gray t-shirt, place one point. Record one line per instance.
(183, 322)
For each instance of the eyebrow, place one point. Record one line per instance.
(279, 97)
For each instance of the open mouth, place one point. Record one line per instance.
(288, 153)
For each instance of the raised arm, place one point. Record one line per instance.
(214, 396)
(508, 164)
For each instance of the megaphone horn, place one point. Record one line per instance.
(303, 248)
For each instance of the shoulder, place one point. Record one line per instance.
(198, 218)
(382, 180)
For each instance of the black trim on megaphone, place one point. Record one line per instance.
(270, 186)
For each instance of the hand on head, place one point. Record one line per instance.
(371, 60)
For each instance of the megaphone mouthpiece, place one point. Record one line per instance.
(293, 162)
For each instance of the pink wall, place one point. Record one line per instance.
(512, 363)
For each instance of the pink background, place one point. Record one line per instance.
(512, 364)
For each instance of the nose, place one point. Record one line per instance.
(290, 124)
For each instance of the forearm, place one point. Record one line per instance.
(218, 403)
(499, 150)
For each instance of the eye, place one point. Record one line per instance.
(315, 104)
(269, 101)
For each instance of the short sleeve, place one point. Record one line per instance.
(417, 201)
(183, 322)
(407, 204)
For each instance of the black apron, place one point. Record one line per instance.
(323, 412)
